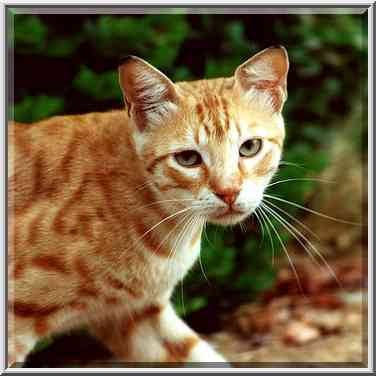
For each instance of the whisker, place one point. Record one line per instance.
(285, 250)
(286, 163)
(139, 188)
(161, 202)
(241, 227)
(164, 220)
(180, 236)
(293, 231)
(172, 251)
(191, 220)
(160, 222)
(289, 228)
(293, 218)
(270, 235)
(261, 225)
(173, 229)
(182, 297)
(312, 211)
(200, 261)
(301, 179)
(207, 238)
(144, 185)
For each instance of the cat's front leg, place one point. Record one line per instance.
(155, 334)
(182, 343)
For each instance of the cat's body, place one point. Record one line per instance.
(106, 210)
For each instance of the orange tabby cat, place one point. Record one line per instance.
(106, 209)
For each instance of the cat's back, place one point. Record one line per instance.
(57, 132)
(46, 156)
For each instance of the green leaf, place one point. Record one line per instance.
(156, 38)
(62, 47)
(30, 34)
(100, 86)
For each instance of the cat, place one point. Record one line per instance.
(106, 209)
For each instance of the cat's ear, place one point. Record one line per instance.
(148, 94)
(264, 77)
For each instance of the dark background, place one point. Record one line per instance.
(66, 64)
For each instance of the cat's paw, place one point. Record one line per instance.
(203, 355)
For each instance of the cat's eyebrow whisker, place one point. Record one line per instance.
(284, 249)
(301, 179)
(312, 211)
(294, 232)
(293, 218)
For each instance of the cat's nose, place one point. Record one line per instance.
(228, 195)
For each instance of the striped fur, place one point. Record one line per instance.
(103, 220)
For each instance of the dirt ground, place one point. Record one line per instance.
(323, 325)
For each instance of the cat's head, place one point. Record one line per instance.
(212, 145)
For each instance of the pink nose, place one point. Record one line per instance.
(228, 195)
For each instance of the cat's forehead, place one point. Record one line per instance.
(216, 114)
(206, 88)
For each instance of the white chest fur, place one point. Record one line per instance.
(163, 274)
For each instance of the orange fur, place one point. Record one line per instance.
(97, 203)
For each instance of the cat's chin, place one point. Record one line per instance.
(227, 219)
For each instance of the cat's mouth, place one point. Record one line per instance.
(229, 212)
(229, 216)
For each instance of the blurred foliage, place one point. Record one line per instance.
(106, 84)
(154, 36)
(67, 64)
(31, 36)
(34, 108)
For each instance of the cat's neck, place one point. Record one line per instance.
(164, 228)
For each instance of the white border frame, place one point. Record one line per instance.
(218, 3)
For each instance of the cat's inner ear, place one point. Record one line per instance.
(148, 94)
(264, 77)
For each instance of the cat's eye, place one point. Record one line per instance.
(250, 147)
(188, 158)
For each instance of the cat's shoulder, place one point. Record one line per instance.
(58, 126)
